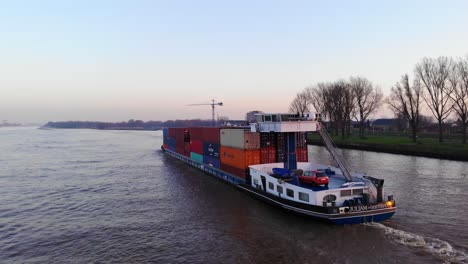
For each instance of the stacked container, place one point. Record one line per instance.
(204, 145)
(272, 147)
(182, 141)
(171, 138)
(280, 147)
(301, 147)
(268, 149)
(231, 149)
(239, 149)
(166, 138)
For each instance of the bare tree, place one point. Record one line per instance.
(459, 94)
(349, 109)
(405, 101)
(316, 97)
(367, 98)
(339, 104)
(300, 103)
(434, 74)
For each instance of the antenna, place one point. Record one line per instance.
(213, 104)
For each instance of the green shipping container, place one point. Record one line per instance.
(196, 157)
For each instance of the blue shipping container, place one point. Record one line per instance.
(165, 132)
(211, 161)
(211, 149)
(172, 144)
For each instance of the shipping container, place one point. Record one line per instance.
(180, 150)
(205, 134)
(267, 140)
(187, 149)
(302, 154)
(172, 144)
(172, 132)
(239, 158)
(211, 134)
(301, 139)
(239, 138)
(241, 173)
(211, 149)
(196, 133)
(279, 140)
(196, 157)
(279, 155)
(196, 146)
(213, 162)
(165, 132)
(280, 146)
(267, 155)
(179, 136)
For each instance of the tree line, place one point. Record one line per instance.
(130, 124)
(440, 84)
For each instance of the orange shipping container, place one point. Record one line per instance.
(239, 158)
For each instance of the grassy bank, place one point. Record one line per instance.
(425, 147)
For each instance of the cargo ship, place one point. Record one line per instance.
(269, 160)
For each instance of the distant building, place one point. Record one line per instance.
(385, 124)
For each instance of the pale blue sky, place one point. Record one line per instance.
(116, 60)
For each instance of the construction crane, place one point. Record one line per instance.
(213, 104)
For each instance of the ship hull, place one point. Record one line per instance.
(327, 214)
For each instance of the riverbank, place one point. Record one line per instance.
(431, 148)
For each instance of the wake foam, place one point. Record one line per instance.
(436, 247)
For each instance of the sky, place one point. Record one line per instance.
(118, 60)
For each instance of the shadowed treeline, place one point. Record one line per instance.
(130, 125)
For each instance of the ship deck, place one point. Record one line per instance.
(336, 182)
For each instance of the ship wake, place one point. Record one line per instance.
(436, 247)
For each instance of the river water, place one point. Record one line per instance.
(91, 196)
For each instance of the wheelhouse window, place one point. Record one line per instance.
(290, 193)
(271, 186)
(304, 197)
(357, 191)
(267, 118)
(345, 193)
(279, 188)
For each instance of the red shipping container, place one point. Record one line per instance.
(172, 132)
(301, 139)
(302, 154)
(180, 150)
(267, 155)
(267, 139)
(196, 146)
(211, 134)
(241, 173)
(187, 149)
(196, 133)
